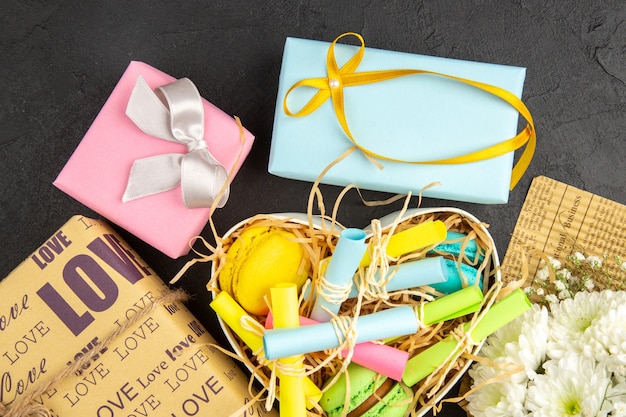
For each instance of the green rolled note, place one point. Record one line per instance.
(500, 313)
(451, 306)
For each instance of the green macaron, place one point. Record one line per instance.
(366, 386)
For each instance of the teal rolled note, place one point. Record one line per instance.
(500, 313)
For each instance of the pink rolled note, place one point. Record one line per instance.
(385, 360)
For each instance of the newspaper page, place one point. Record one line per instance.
(559, 220)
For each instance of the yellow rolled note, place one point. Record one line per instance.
(286, 315)
(412, 239)
(232, 313)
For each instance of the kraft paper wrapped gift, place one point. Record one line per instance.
(97, 172)
(88, 329)
(420, 117)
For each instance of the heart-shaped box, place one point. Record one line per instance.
(456, 220)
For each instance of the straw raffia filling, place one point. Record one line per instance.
(319, 243)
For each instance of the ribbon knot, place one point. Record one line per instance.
(196, 145)
(174, 112)
(332, 87)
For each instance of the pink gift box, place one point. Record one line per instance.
(97, 172)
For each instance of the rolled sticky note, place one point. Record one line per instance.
(339, 272)
(457, 280)
(232, 314)
(427, 271)
(500, 313)
(285, 310)
(397, 321)
(451, 306)
(412, 239)
(383, 359)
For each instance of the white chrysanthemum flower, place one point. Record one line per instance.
(594, 261)
(522, 342)
(571, 386)
(611, 334)
(614, 298)
(574, 325)
(498, 399)
(481, 372)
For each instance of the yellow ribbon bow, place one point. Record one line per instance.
(332, 87)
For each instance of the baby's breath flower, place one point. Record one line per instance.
(577, 274)
(565, 274)
(617, 397)
(551, 298)
(543, 274)
(594, 261)
(619, 409)
(540, 292)
(564, 295)
(555, 263)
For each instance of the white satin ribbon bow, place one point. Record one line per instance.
(174, 112)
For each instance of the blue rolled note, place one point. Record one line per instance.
(427, 271)
(393, 322)
(341, 268)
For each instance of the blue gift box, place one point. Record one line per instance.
(422, 117)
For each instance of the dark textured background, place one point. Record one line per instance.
(61, 59)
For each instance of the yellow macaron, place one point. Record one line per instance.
(258, 259)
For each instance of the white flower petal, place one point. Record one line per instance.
(571, 386)
(498, 399)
